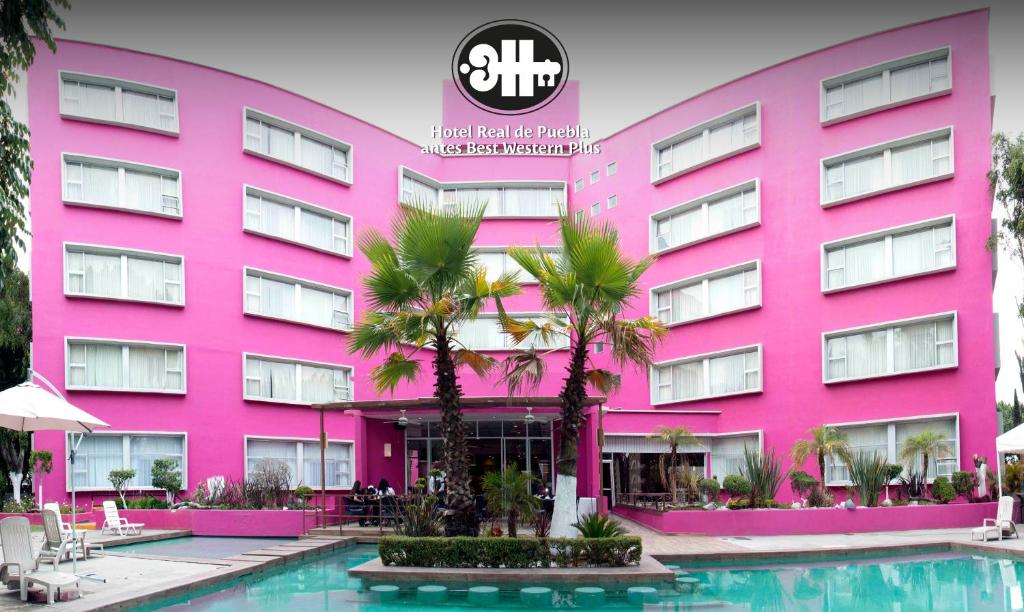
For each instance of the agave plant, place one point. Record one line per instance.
(599, 526)
(421, 518)
(765, 474)
(868, 471)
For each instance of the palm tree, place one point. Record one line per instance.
(824, 442)
(674, 437)
(927, 444)
(585, 290)
(508, 492)
(420, 290)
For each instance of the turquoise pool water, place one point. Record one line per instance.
(941, 581)
(199, 547)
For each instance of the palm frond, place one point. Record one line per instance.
(522, 371)
(603, 381)
(377, 332)
(634, 341)
(480, 363)
(396, 368)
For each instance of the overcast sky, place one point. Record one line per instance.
(384, 61)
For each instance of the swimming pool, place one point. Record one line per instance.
(199, 547)
(940, 581)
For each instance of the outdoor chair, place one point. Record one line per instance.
(115, 524)
(997, 526)
(20, 567)
(60, 546)
(65, 527)
(354, 509)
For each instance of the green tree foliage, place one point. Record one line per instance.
(15, 347)
(508, 493)
(167, 476)
(675, 437)
(119, 480)
(20, 21)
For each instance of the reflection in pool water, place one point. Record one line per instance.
(944, 581)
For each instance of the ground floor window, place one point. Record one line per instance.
(302, 458)
(888, 438)
(99, 454)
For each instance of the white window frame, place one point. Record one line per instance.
(523, 280)
(125, 436)
(119, 85)
(891, 440)
(579, 185)
(704, 279)
(298, 205)
(595, 177)
(703, 203)
(886, 149)
(516, 315)
(611, 169)
(125, 345)
(124, 253)
(704, 128)
(884, 70)
(299, 452)
(888, 326)
(888, 234)
(122, 166)
(299, 133)
(595, 209)
(298, 283)
(706, 357)
(298, 376)
(443, 186)
(613, 202)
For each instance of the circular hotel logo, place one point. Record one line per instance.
(510, 67)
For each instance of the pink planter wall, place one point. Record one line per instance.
(35, 518)
(812, 521)
(246, 523)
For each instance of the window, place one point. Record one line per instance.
(899, 252)
(121, 274)
(899, 347)
(109, 183)
(302, 458)
(277, 216)
(578, 185)
(894, 83)
(580, 215)
(501, 199)
(284, 297)
(417, 191)
(291, 381)
(297, 146)
(727, 453)
(717, 374)
(595, 176)
(715, 293)
(497, 262)
(100, 453)
(595, 209)
(115, 365)
(705, 143)
(107, 100)
(902, 163)
(611, 168)
(484, 334)
(887, 439)
(613, 201)
(720, 213)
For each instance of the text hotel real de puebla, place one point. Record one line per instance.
(509, 140)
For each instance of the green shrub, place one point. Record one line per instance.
(893, 471)
(802, 482)
(964, 483)
(145, 503)
(820, 497)
(167, 476)
(943, 491)
(709, 487)
(465, 552)
(743, 503)
(736, 485)
(1013, 477)
(599, 526)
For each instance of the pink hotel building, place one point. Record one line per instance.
(820, 228)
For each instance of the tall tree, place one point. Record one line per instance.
(674, 437)
(20, 20)
(585, 289)
(15, 346)
(423, 286)
(824, 442)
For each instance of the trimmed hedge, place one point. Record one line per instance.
(510, 552)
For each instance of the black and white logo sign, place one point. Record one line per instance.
(510, 67)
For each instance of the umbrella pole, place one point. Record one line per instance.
(74, 515)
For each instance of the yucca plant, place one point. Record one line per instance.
(765, 474)
(586, 289)
(508, 493)
(599, 526)
(420, 518)
(423, 285)
(868, 472)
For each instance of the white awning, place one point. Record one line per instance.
(645, 444)
(1011, 441)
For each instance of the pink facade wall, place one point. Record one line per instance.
(244, 523)
(812, 521)
(789, 324)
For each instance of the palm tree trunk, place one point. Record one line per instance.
(573, 394)
(821, 466)
(460, 518)
(924, 471)
(512, 523)
(673, 475)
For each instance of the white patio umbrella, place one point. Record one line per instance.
(29, 407)
(1009, 442)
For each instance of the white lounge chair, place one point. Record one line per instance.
(65, 527)
(997, 526)
(20, 568)
(60, 546)
(114, 524)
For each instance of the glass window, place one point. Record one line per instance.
(99, 454)
(895, 349)
(116, 184)
(99, 274)
(901, 80)
(702, 219)
(710, 376)
(296, 382)
(882, 167)
(125, 367)
(294, 300)
(298, 146)
(115, 101)
(290, 220)
(716, 293)
(707, 141)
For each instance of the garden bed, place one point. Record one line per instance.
(807, 521)
(509, 553)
